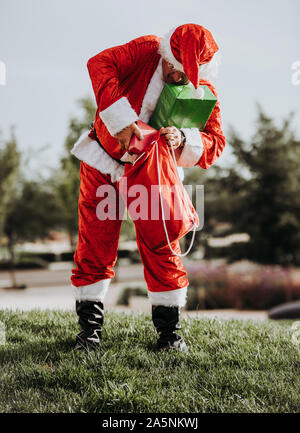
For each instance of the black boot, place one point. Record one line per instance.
(166, 322)
(91, 321)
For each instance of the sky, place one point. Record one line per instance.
(45, 45)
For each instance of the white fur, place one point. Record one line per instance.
(166, 52)
(91, 152)
(208, 71)
(171, 298)
(92, 292)
(193, 148)
(118, 116)
(152, 94)
(180, 173)
(199, 93)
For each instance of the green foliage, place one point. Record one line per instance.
(258, 195)
(9, 163)
(232, 366)
(24, 263)
(46, 257)
(33, 214)
(269, 202)
(78, 125)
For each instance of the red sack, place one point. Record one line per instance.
(154, 194)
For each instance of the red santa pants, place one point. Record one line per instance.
(96, 252)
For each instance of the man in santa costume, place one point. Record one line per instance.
(127, 81)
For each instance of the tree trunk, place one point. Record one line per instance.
(72, 240)
(12, 260)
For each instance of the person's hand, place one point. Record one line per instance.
(172, 135)
(125, 135)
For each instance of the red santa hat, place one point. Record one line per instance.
(190, 48)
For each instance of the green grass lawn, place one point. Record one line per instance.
(232, 366)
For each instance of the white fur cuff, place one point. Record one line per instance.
(92, 292)
(193, 148)
(118, 116)
(171, 298)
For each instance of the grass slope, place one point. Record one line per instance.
(232, 366)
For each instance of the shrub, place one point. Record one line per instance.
(130, 291)
(263, 289)
(254, 287)
(24, 263)
(47, 257)
(67, 256)
(208, 287)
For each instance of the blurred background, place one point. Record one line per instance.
(246, 259)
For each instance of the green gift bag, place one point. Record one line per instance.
(178, 106)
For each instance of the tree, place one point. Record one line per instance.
(269, 201)
(33, 213)
(259, 195)
(220, 201)
(9, 163)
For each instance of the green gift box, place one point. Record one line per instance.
(182, 107)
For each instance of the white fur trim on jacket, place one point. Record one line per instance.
(193, 148)
(208, 71)
(171, 298)
(92, 292)
(152, 94)
(118, 116)
(90, 152)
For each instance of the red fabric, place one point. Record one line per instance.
(193, 46)
(124, 70)
(96, 251)
(178, 208)
(212, 137)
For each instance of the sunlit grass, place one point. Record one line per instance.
(232, 366)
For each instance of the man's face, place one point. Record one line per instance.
(172, 75)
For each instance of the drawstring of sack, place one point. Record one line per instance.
(162, 208)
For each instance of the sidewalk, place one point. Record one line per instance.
(61, 298)
(51, 289)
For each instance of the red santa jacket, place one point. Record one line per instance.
(120, 77)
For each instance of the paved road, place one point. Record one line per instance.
(51, 288)
(59, 275)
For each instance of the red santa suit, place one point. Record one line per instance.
(127, 81)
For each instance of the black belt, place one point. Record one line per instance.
(97, 139)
